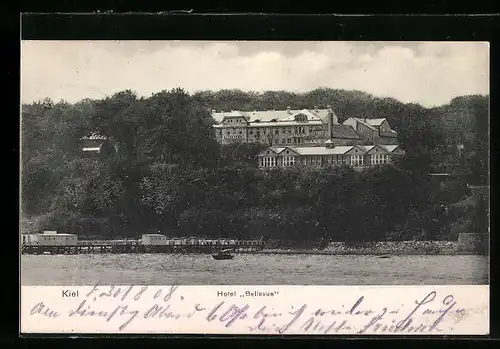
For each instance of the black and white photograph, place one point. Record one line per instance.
(254, 163)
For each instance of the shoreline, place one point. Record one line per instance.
(376, 249)
(380, 248)
(304, 252)
(360, 253)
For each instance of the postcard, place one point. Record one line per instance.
(254, 187)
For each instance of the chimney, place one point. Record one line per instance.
(330, 124)
(315, 108)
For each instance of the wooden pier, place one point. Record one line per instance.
(110, 248)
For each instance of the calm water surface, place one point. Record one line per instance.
(165, 269)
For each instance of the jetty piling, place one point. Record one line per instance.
(101, 247)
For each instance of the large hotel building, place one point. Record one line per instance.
(311, 137)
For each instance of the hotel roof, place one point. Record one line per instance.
(281, 123)
(278, 115)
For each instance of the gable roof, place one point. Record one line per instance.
(356, 148)
(275, 150)
(377, 146)
(390, 148)
(344, 131)
(390, 133)
(376, 122)
(362, 121)
(279, 115)
(367, 148)
(94, 136)
(288, 148)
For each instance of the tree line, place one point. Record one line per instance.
(170, 174)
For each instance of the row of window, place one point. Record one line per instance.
(353, 160)
(233, 121)
(298, 130)
(377, 159)
(357, 160)
(272, 141)
(230, 131)
(288, 161)
(51, 238)
(268, 161)
(232, 137)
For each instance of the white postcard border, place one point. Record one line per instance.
(261, 310)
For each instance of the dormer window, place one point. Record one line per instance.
(300, 117)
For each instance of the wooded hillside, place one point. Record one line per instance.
(170, 174)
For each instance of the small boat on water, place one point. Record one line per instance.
(223, 255)
(384, 256)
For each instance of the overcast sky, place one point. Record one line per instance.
(430, 73)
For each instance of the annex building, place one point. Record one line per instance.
(356, 156)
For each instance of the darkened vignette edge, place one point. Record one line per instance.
(492, 244)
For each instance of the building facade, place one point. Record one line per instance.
(95, 144)
(273, 127)
(356, 156)
(302, 128)
(375, 131)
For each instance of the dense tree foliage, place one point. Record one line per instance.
(168, 173)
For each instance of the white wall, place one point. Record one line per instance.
(56, 240)
(154, 240)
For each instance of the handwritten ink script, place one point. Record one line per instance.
(244, 310)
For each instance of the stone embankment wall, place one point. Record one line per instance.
(397, 248)
(392, 248)
(471, 243)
